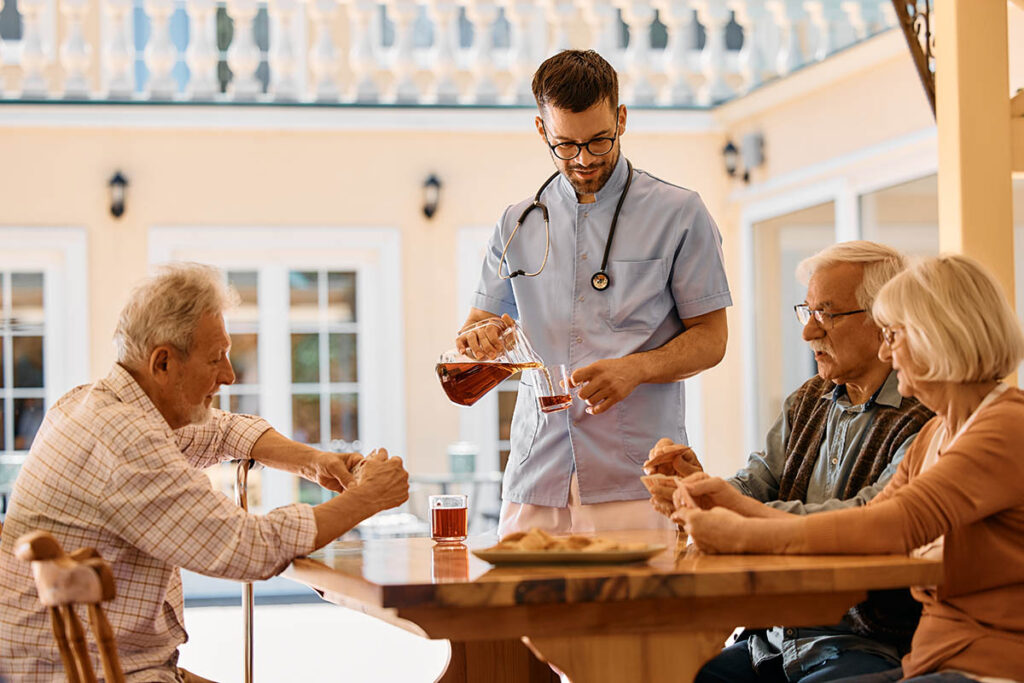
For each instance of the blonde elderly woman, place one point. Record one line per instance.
(951, 336)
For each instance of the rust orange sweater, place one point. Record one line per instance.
(974, 495)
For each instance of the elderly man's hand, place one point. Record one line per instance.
(671, 458)
(381, 480)
(715, 531)
(334, 471)
(661, 488)
(483, 342)
(604, 383)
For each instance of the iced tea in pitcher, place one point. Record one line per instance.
(465, 378)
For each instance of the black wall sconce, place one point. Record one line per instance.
(431, 195)
(117, 186)
(751, 153)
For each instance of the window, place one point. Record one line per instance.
(43, 334)
(316, 343)
(903, 216)
(783, 360)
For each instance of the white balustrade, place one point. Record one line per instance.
(284, 59)
(638, 15)
(677, 64)
(117, 55)
(561, 17)
(522, 15)
(779, 36)
(482, 15)
(403, 89)
(362, 58)
(790, 17)
(33, 54)
(714, 15)
(444, 15)
(75, 52)
(160, 52)
(244, 53)
(758, 28)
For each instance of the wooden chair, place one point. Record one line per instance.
(63, 581)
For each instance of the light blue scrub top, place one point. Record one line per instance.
(665, 264)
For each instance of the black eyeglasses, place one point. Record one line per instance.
(567, 151)
(825, 319)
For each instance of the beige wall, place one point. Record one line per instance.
(865, 97)
(57, 176)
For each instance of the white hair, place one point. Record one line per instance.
(166, 309)
(881, 264)
(957, 321)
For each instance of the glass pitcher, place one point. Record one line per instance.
(465, 378)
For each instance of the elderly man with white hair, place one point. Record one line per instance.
(116, 465)
(837, 443)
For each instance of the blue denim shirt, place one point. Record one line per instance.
(665, 265)
(803, 649)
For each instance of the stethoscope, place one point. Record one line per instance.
(600, 280)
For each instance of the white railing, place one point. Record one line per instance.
(674, 53)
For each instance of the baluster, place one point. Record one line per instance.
(201, 54)
(403, 87)
(864, 16)
(788, 15)
(362, 59)
(116, 53)
(482, 13)
(603, 20)
(561, 16)
(715, 17)
(638, 16)
(677, 15)
(521, 15)
(33, 55)
(160, 52)
(752, 16)
(444, 15)
(283, 58)
(831, 25)
(75, 51)
(244, 53)
(887, 17)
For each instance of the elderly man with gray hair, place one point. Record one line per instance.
(116, 465)
(838, 441)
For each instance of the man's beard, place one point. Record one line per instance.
(199, 414)
(593, 185)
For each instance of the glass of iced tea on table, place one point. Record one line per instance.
(449, 519)
(553, 388)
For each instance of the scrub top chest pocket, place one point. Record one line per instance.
(640, 299)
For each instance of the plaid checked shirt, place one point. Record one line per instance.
(106, 471)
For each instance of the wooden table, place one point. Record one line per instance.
(643, 622)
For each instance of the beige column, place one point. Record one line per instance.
(973, 114)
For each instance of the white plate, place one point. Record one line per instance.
(567, 556)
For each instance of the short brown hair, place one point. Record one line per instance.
(575, 80)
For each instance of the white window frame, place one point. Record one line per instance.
(60, 254)
(373, 253)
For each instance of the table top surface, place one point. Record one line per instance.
(409, 572)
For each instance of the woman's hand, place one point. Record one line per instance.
(717, 530)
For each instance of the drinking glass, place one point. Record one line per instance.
(448, 518)
(553, 388)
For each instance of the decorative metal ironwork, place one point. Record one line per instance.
(915, 20)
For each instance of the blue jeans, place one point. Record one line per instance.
(733, 665)
(895, 674)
